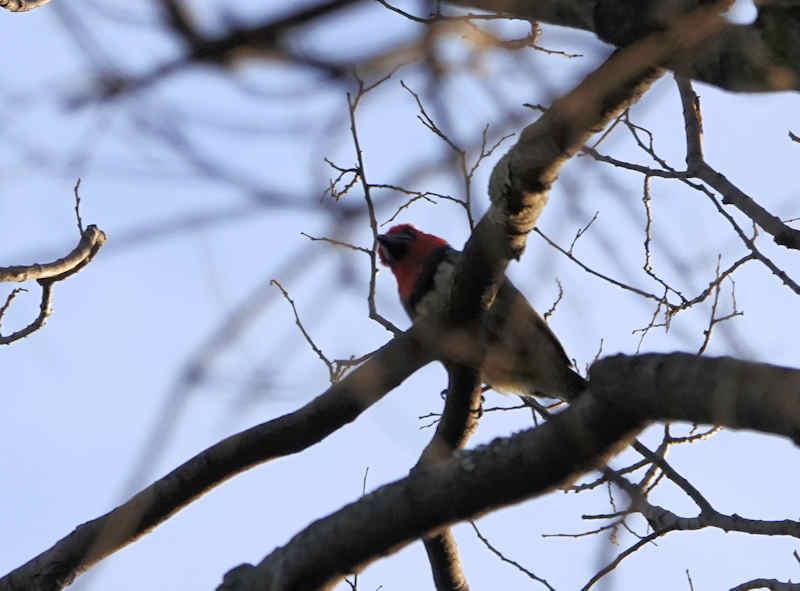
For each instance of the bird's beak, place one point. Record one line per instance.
(391, 247)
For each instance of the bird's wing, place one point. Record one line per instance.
(522, 353)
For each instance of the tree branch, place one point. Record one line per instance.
(473, 482)
(22, 5)
(520, 182)
(718, 391)
(772, 584)
(696, 166)
(291, 433)
(626, 393)
(458, 421)
(762, 56)
(265, 39)
(91, 239)
(46, 275)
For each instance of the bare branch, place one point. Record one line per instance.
(713, 318)
(787, 280)
(442, 551)
(664, 387)
(460, 153)
(555, 303)
(520, 182)
(693, 123)
(508, 560)
(459, 420)
(78, 205)
(783, 235)
(620, 557)
(645, 170)
(7, 304)
(584, 534)
(636, 290)
(772, 584)
(91, 240)
(471, 483)
(46, 275)
(685, 485)
(22, 5)
(291, 433)
(743, 58)
(337, 243)
(352, 103)
(334, 372)
(44, 313)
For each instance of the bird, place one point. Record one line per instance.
(520, 354)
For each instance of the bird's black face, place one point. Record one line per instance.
(394, 245)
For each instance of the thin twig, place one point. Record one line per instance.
(620, 557)
(75, 190)
(14, 293)
(557, 301)
(373, 222)
(333, 373)
(337, 243)
(596, 273)
(584, 534)
(504, 558)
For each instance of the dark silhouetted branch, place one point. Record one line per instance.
(758, 57)
(771, 584)
(625, 394)
(458, 421)
(696, 166)
(291, 433)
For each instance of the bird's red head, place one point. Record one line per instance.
(406, 250)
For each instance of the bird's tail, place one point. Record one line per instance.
(567, 387)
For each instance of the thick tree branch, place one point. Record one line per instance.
(458, 421)
(719, 391)
(520, 182)
(759, 57)
(626, 393)
(339, 405)
(772, 584)
(473, 482)
(442, 551)
(459, 418)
